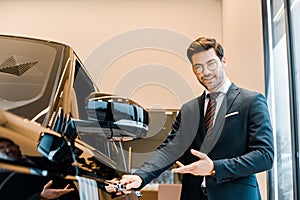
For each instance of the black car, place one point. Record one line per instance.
(70, 131)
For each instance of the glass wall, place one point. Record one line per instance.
(294, 22)
(281, 25)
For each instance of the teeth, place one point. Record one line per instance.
(208, 79)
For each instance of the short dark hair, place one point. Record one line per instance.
(204, 44)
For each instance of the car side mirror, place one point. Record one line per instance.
(119, 117)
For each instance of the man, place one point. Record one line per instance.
(18, 186)
(223, 144)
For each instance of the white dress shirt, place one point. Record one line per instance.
(223, 90)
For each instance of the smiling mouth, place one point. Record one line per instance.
(208, 79)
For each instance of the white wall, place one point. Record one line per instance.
(89, 25)
(243, 41)
(118, 39)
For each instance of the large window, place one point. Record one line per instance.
(281, 25)
(294, 20)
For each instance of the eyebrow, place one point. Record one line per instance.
(211, 60)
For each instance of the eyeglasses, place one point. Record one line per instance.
(211, 66)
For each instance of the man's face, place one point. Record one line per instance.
(9, 149)
(212, 75)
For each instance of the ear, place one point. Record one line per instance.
(224, 61)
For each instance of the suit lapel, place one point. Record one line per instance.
(231, 95)
(201, 127)
(210, 141)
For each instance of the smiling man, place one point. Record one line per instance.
(224, 135)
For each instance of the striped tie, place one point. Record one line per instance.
(210, 112)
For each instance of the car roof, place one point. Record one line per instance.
(36, 39)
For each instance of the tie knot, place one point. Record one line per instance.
(213, 95)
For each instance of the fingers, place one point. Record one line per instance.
(62, 191)
(179, 164)
(111, 188)
(201, 167)
(67, 187)
(112, 181)
(48, 185)
(131, 181)
(111, 185)
(181, 169)
(127, 183)
(198, 154)
(48, 193)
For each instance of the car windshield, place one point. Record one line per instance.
(25, 67)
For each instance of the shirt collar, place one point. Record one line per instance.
(224, 88)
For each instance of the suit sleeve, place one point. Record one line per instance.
(260, 151)
(158, 162)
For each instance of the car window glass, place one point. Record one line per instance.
(24, 71)
(83, 86)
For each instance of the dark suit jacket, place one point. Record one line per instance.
(242, 146)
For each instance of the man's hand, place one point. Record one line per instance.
(123, 186)
(49, 193)
(203, 167)
(112, 186)
(131, 181)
